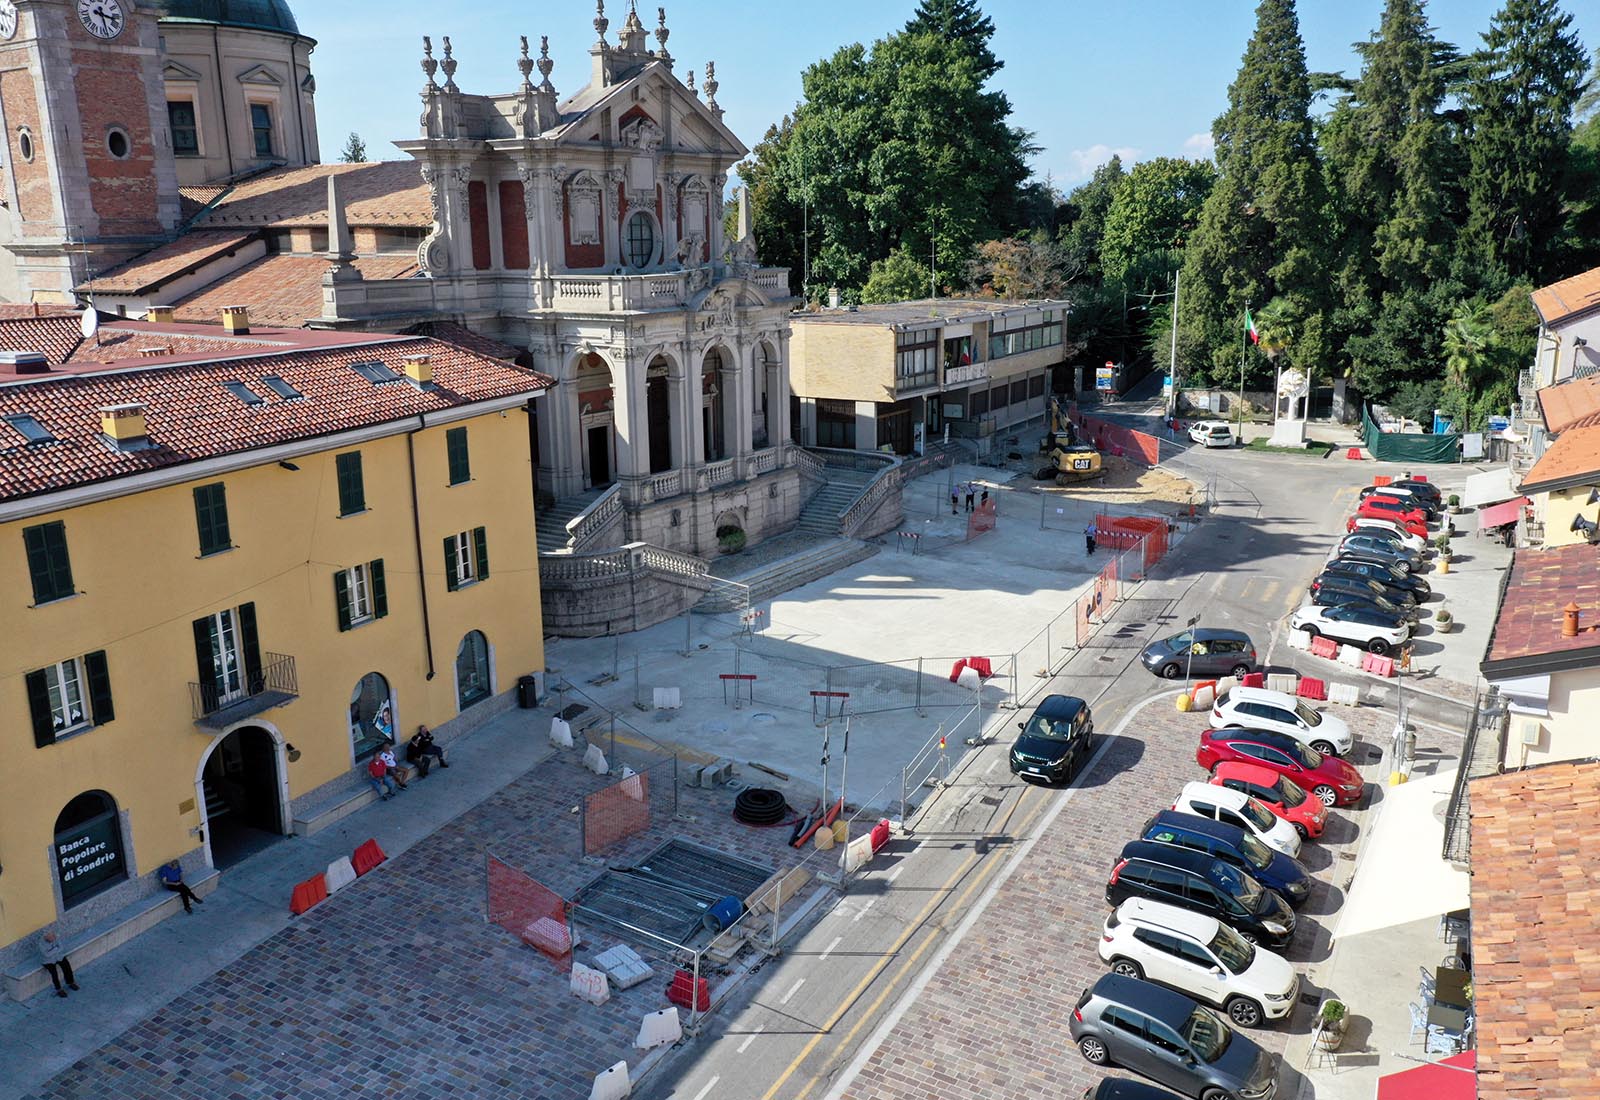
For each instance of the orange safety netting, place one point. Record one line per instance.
(1114, 439)
(615, 813)
(532, 912)
(1125, 532)
(982, 519)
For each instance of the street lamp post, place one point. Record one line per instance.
(1244, 347)
(1188, 673)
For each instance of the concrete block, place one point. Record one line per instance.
(668, 698)
(1351, 656)
(1284, 681)
(856, 854)
(1299, 639)
(1347, 694)
(340, 874)
(548, 935)
(969, 679)
(589, 984)
(612, 1084)
(595, 760)
(560, 733)
(624, 966)
(658, 1029)
(631, 784)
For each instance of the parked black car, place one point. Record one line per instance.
(1055, 740)
(1364, 586)
(1389, 578)
(1337, 595)
(1231, 844)
(1426, 488)
(1120, 1088)
(1377, 550)
(1166, 1036)
(1204, 651)
(1197, 881)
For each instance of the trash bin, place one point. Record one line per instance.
(527, 692)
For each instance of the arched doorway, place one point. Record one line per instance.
(596, 400)
(88, 847)
(243, 793)
(711, 405)
(658, 410)
(474, 681)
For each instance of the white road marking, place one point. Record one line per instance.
(894, 874)
(863, 910)
(991, 766)
(701, 1095)
(793, 989)
(744, 1046)
(826, 951)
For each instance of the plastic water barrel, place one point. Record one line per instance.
(723, 913)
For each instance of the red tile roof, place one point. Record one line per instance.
(9, 310)
(1578, 294)
(54, 336)
(1542, 582)
(464, 337)
(118, 344)
(1536, 932)
(172, 259)
(1570, 404)
(281, 289)
(1574, 455)
(385, 194)
(191, 417)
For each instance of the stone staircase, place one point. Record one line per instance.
(551, 524)
(815, 559)
(822, 512)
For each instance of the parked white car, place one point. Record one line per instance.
(1200, 956)
(1360, 624)
(1415, 543)
(1259, 709)
(1233, 807)
(1211, 433)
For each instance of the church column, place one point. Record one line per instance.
(610, 216)
(694, 403)
(736, 390)
(541, 194)
(560, 429)
(631, 418)
(780, 396)
(680, 380)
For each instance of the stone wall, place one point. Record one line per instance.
(591, 607)
(766, 505)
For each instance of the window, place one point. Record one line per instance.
(48, 563)
(641, 240)
(67, 697)
(25, 144)
(261, 128)
(185, 134)
(959, 351)
(280, 387)
(472, 670)
(1014, 335)
(916, 358)
(360, 594)
(117, 143)
(466, 558)
(352, 490)
(211, 515)
(243, 392)
(227, 653)
(371, 715)
(88, 847)
(376, 373)
(30, 429)
(455, 445)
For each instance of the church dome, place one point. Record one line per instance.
(258, 15)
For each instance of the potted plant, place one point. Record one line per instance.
(1334, 1017)
(1454, 502)
(1444, 619)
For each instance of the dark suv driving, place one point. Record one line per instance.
(1195, 880)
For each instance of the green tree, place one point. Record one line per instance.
(354, 151)
(1262, 232)
(963, 22)
(1087, 208)
(1525, 82)
(1018, 268)
(896, 278)
(1151, 214)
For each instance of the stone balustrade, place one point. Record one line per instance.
(587, 527)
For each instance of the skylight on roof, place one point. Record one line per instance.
(30, 429)
(375, 372)
(280, 387)
(243, 393)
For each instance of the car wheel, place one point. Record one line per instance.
(1250, 938)
(1239, 670)
(1216, 1094)
(1305, 834)
(1324, 747)
(1311, 630)
(1245, 1012)
(1403, 566)
(1326, 794)
(1171, 671)
(1127, 968)
(1378, 646)
(1094, 1051)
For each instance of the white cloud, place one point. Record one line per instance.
(1083, 162)
(1201, 144)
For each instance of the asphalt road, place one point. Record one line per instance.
(804, 1017)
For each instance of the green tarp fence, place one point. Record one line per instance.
(1408, 446)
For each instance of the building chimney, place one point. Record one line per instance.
(161, 315)
(123, 426)
(236, 320)
(25, 362)
(155, 352)
(418, 369)
(1569, 620)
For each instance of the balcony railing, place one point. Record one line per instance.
(965, 373)
(217, 708)
(1482, 754)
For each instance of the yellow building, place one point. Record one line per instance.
(227, 580)
(1561, 486)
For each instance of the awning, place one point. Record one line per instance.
(1455, 1078)
(1404, 876)
(1489, 487)
(1497, 515)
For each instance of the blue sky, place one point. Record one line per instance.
(1143, 77)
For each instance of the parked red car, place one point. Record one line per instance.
(1284, 797)
(1333, 781)
(1354, 522)
(1388, 508)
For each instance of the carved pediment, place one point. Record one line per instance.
(177, 71)
(261, 75)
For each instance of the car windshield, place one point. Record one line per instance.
(1231, 948)
(1307, 715)
(1258, 815)
(1257, 854)
(1292, 792)
(1237, 884)
(1178, 642)
(1309, 758)
(1206, 1034)
(1056, 729)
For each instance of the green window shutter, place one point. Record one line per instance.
(380, 592)
(44, 725)
(480, 543)
(95, 671)
(211, 516)
(455, 441)
(341, 598)
(352, 489)
(48, 564)
(451, 580)
(250, 642)
(207, 668)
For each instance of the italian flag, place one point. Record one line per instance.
(1250, 329)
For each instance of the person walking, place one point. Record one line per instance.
(53, 953)
(420, 748)
(984, 503)
(1090, 533)
(172, 878)
(378, 775)
(955, 498)
(969, 496)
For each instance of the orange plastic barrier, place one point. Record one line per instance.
(982, 666)
(1253, 680)
(1382, 479)
(1311, 688)
(313, 891)
(1325, 647)
(685, 989)
(366, 857)
(955, 669)
(1353, 453)
(880, 834)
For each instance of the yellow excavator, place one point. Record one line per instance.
(1070, 458)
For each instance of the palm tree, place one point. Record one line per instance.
(1467, 337)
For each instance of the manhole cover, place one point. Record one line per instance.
(762, 718)
(1107, 660)
(1308, 998)
(716, 727)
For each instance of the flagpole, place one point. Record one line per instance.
(1244, 344)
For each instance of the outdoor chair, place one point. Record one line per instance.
(1419, 1021)
(1442, 1041)
(1425, 987)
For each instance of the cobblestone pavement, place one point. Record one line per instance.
(398, 987)
(991, 1024)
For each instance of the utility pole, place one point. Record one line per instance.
(1244, 345)
(933, 256)
(1172, 366)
